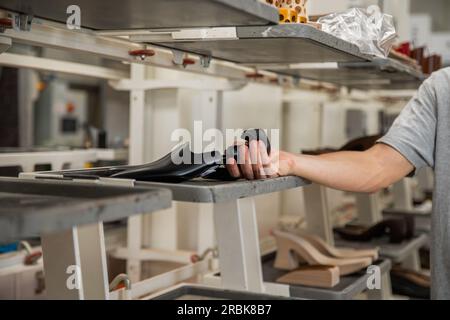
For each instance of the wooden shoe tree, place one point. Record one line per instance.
(289, 244)
(333, 252)
(313, 276)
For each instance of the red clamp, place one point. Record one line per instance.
(6, 23)
(142, 53)
(188, 61)
(32, 258)
(195, 258)
(254, 75)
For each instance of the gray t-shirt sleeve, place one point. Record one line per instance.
(413, 133)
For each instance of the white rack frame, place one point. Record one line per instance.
(49, 34)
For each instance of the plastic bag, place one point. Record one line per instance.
(372, 31)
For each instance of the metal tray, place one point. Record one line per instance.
(279, 44)
(348, 287)
(201, 190)
(209, 191)
(376, 74)
(150, 14)
(395, 252)
(194, 292)
(29, 208)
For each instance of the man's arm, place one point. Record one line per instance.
(367, 171)
(409, 145)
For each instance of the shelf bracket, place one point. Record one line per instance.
(205, 61)
(178, 57)
(21, 22)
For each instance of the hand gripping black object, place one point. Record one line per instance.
(189, 165)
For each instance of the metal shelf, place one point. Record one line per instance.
(209, 191)
(203, 190)
(281, 50)
(397, 253)
(279, 44)
(30, 208)
(296, 50)
(375, 74)
(348, 287)
(151, 14)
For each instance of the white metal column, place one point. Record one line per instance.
(75, 264)
(61, 254)
(237, 238)
(317, 213)
(205, 234)
(94, 268)
(206, 238)
(385, 293)
(425, 179)
(136, 156)
(368, 208)
(403, 197)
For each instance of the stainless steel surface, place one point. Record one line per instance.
(222, 191)
(208, 191)
(56, 35)
(150, 14)
(29, 208)
(295, 43)
(377, 74)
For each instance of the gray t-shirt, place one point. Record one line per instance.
(422, 135)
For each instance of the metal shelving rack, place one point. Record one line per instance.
(238, 40)
(296, 50)
(248, 37)
(151, 14)
(69, 219)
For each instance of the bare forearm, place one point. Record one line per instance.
(366, 171)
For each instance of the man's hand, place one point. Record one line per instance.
(254, 162)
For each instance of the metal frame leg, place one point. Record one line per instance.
(385, 293)
(206, 235)
(76, 256)
(134, 245)
(369, 208)
(237, 238)
(317, 213)
(61, 250)
(93, 262)
(413, 261)
(403, 197)
(136, 156)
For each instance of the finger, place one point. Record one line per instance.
(248, 166)
(261, 172)
(254, 155)
(233, 168)
(265, 158)
(270, 164)
(243, 167)
(272, 172)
